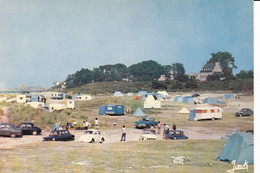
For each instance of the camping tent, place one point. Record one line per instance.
(184, 111)
(141, 93)
(118, 93)
(129, 94)
(178, 99)
(229, 96)
(111, 109)
(150, 102)
(239, 147)
(156, 95)
(139, 113)
(212, 101)
(188, 99)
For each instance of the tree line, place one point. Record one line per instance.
(151, 70)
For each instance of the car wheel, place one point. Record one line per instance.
(92, 140)
(34, 133)
(175, 138)
(53, 139)
(13, 135)
(102, 140)
(240, 115)
(213, 118)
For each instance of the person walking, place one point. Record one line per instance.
(123, 133)
(96, 123)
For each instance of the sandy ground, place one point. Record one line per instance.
(110, 135)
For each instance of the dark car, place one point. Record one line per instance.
(7, 129)
(175, 134)
(59, 135)
(29, 129)
(146, 122)
(195, 95)
(244, 112)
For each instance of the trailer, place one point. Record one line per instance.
(202, 113)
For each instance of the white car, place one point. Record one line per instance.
(148, 134)
(92, 136)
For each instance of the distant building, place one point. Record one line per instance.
(209, 69)
(162, 78)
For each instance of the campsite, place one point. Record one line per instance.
(132, 154)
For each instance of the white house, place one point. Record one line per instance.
(209, 69)
(162, 78)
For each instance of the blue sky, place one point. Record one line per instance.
(43, 41)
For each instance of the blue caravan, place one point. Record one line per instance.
(112, 109)
(188, 99)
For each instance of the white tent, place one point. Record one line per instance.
(118, 93)
(164, 93)
(150, 102)
(184, 111)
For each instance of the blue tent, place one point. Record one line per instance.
(141, 93)
(111, 109)
(239, 147)
(212, 101)
(188, 99)
(118, 93)
(229, 96)
(139, 113)
(178, 99)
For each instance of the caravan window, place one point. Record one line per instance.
(218, 110)
(198, 111)
(109, 108)
(119, 106)
(205, 111)
(212, 111)
(79, 98)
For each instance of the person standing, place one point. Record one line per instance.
(96, 123)
(174, 126)
(123, 133)
(159, 127)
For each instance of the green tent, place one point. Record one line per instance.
(239, 147)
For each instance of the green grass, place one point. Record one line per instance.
(141, 156)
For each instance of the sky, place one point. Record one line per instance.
(43, 41)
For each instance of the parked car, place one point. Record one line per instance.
(59, 135)
(7, 129)
(148, 134)
(92, 135)
(175, 134)
(29, 129)
(146, 122)
(195, 95)
(250, 131)
(244, 112)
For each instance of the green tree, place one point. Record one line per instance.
(146, 70)
(226, 61)
(245, 74)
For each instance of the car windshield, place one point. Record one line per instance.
(149, 132)
(88, 132)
